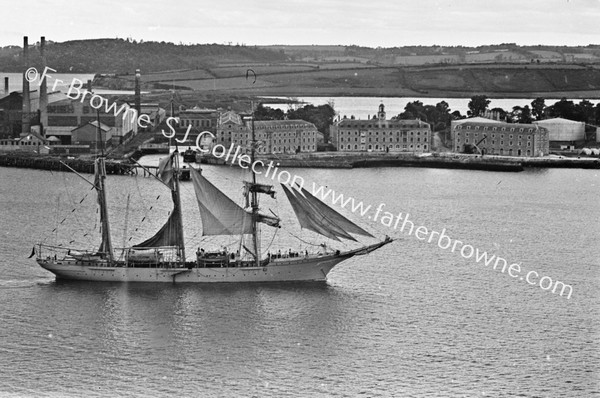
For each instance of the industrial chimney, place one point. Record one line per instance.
(6, 89)
(138, 99)
(43, 91)
(25, 127)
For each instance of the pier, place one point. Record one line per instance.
(78, 164)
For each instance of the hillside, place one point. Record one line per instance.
(494, 80)
(123, 56)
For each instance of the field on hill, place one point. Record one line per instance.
(451, 80)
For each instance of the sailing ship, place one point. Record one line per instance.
(162, 257)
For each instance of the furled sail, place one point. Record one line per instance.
(312, 218)
(99, 173)
(333, 215)
(168, 235)
(221, 215)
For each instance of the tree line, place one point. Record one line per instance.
(440, 115)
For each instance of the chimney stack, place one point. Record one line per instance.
(43, 91)
(25, 127)
(138, 99)
(6, 89)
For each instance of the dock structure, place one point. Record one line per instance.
(79, 165)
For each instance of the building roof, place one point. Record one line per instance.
(477, 119)
(367, 123)
(275, 124)
(31, 135)
(198, 110)
(504, 126)
(557, 120)
(103, 126)
(230, 117)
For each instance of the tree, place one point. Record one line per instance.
(538, 107)
(413, 110)
(585, 109)
(521, 114)
(563, 108)
(266, 113)
(321, 116)
(477, 105)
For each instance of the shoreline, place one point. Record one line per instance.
(327, 160)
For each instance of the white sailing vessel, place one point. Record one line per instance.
(162, 258)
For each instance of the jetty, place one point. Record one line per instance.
(81, 165)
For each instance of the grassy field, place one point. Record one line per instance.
(352, 79)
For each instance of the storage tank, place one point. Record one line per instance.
(560, 129)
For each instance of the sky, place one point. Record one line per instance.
(372, 23)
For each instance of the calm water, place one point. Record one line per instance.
(363, 107)
(410, 320)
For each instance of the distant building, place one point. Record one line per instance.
(273, 136)
(201, 119)
(563, 133)
(285, 136)
(499, 138)
(155, 113)
(89, 134)
(32, 142)
(380, 134)
(65, 115)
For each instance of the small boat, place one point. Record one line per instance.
(189, 156)
(162, 257)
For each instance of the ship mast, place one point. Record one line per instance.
(177, 198)
(100, 176)
(254, 198)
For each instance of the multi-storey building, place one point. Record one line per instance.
(273, 136)
(380, 134)
(201, 119)
(499, 138)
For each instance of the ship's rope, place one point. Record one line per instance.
(72, 213)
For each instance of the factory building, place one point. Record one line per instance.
(563, 133)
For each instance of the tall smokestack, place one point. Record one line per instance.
(43, 91)
(25, 128)
(138, 99)
(6, 89)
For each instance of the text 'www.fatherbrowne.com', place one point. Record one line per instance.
(401, 222)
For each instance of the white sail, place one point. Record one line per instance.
(220, 215)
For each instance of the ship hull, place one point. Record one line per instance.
(311, 269)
